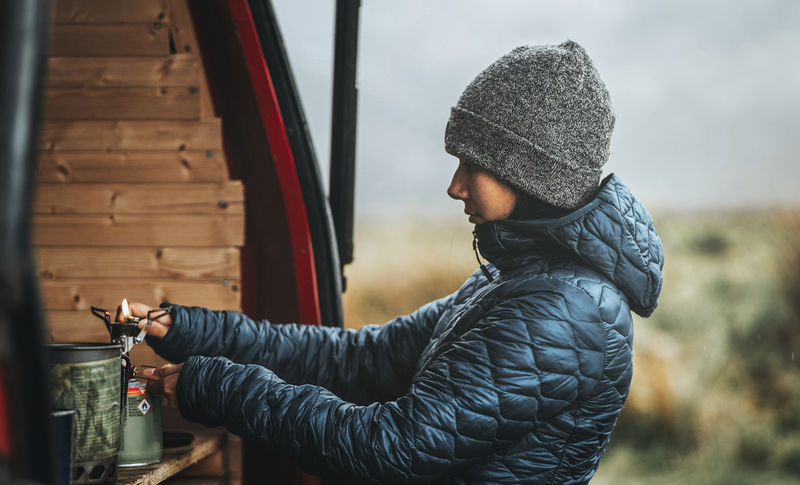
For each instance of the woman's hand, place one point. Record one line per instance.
(164, 380)
(160, 326)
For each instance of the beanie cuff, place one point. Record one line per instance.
(518, 162)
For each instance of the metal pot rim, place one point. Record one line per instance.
(82, 346)
(75, 352)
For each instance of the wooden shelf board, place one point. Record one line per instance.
(213, 230)
(122, 103)
(160, 198)
(83, 293)
(57, 136)
(175, 460)
(100, 40)
(108, 11)
(139, 262)
(133, 166)
(173, 70)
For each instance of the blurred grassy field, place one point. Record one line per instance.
(716, 391)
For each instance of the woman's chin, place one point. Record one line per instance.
(475, 219)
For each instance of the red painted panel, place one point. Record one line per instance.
(257, 459)
(299, 232)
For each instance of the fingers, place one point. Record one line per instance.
(160, 326)
(162, 371)
(139, 309)
(142, 309)
(164, 380)
(169, 369)
(156, 388)
(136, 309)
(154, 383)
(156, 329)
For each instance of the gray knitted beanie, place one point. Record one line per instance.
(540, 119)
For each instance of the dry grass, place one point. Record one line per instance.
(401, 265)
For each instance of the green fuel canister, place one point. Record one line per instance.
(141, 427)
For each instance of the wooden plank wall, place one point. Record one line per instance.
(133, 198)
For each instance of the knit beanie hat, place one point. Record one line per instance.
(539, 119)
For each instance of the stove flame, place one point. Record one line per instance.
(126, 312)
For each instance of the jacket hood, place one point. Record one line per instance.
(613, 234)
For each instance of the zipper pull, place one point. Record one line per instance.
(484, 269)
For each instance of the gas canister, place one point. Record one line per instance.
(141, 427)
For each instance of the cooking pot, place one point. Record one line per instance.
(87, 377)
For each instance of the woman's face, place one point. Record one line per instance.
(485, 198)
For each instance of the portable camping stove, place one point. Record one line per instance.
(127, 333)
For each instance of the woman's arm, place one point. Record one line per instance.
(484, 391)
(374, 363)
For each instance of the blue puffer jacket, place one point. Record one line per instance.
(515, 380)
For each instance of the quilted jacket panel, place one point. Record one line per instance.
(515, 380)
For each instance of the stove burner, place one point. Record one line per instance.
(127, 334)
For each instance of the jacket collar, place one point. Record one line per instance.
(613, 233)
(509, 244)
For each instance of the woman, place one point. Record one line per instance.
(518, 376)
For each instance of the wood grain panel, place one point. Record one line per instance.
(108, 11)
(139, 230)
(146, 262)
(174, 70)
(81, 294)
(110, 167)
(97, 40)
(182, 27)
(185, 39)
(75, 326)
(140, 198)
(163, 103)
(130, 135)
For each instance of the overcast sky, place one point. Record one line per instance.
(707, 94)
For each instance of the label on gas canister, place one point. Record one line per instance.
(138, 402)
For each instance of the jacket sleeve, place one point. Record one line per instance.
(373, 363)
(483, 391)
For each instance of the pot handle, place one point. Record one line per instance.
(103, 315)
(126, 374)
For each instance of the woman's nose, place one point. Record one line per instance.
(457, 189)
